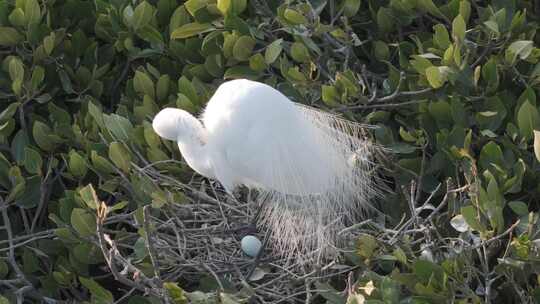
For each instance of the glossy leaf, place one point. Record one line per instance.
(190, 30)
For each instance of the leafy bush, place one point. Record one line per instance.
(450, 85)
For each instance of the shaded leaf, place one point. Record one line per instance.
(190, 30)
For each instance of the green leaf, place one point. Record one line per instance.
(191, 29)
(471, 217)
(430, 7)
(162, 87)
(243, 48)
(239, 71)
(9, 36)
(224, 6)
(101, 164)
(17, 17)
(48, 43)
(351, 7)
(150, 34)
(389, 290)
(366, 246)
(329, 293)
(441, 37)
(385, 19)
(16, 69)
(239, 6)
(65, 234)
(295, 74)
(519, 207)
(32, 11)
(42, 136)
(96, 113)
(184, 103)
(9, 111)
(528, 119)
(65, 81)
(118, 206)
(142, 15)
(150, 136)
(87, 194)
(18, 144)
(236, 7)
(294, 17)
(465, 10)
(119, 126)
(100, 295)
(87, 253)
(77, 164)
(178, 18)
(490, 74)
(195, 5)
(185, 87)
(214, 65)
(420, 64)
(29, 261)
(17, 192)
(83, 222)
(493, 26)
(299, 52)
(521, 48)
(273, 50)
(177, 294)
(120, 156)
(491, 154)
(381, 50)
(16, 72)
(257, 62)
(458, 28)
(143, 84)
(402, 148)
(38, 74)
(32, 161)
(330, 95)
(436, 76)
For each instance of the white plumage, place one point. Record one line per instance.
(312, 168)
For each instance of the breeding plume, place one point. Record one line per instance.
(311, 169)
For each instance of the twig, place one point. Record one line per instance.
(150, 244)
(388, 105)
(11, 254)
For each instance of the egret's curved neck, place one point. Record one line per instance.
(192, 145)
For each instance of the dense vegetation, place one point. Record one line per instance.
(450, 85)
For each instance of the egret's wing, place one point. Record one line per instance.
(303, 153)
(266, 153)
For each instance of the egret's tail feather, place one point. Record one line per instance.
(307, 225)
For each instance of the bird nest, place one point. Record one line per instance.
(197, 242)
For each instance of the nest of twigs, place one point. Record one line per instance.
(199, 240)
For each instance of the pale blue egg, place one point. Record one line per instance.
(251, 245)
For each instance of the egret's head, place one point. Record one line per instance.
(171, 124)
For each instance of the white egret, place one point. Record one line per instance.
(310, 168)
